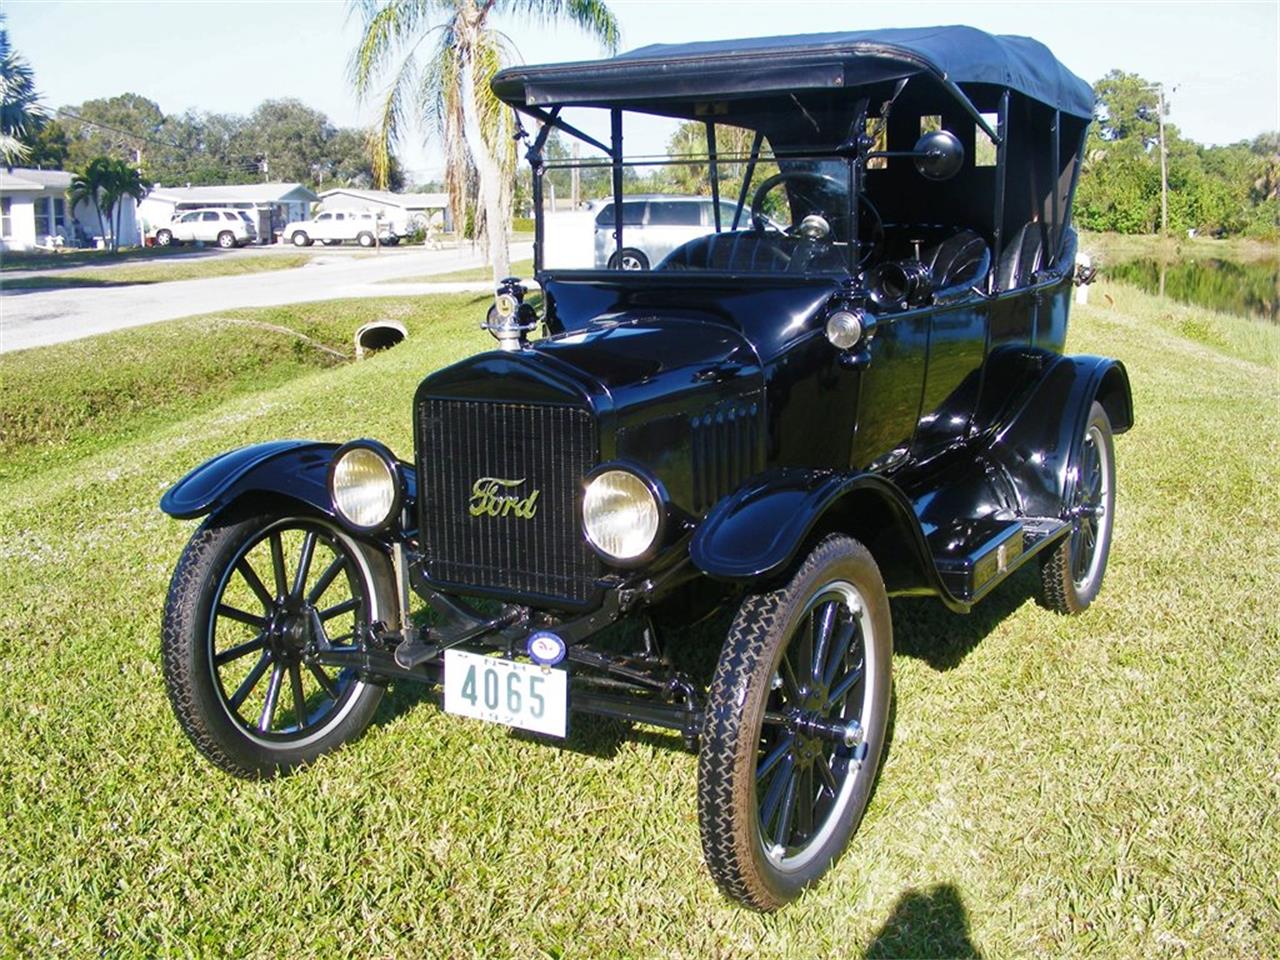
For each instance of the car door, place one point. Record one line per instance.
(183, 228)
(208, 226)
(322, 227)
(671, 223)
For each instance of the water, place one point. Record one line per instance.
(1246, 289)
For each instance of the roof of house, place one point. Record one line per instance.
(236, 193)
(27, 179)
(407, 201)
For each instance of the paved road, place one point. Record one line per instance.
(33, 318)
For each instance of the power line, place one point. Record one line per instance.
(244, 160)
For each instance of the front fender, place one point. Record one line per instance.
(757, 533)
(294, 468)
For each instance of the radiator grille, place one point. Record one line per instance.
(548, 449)
(726, 444)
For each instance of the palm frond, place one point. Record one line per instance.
(593, 16)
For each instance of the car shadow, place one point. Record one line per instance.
(930, 922)
(926, 630)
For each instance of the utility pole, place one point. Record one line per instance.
(1164, 169)
(575, 176)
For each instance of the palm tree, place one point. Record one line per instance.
(451, 88)
(104, 182)
(20, 112)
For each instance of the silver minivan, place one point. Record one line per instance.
(654, 225)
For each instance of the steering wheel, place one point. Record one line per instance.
(874, 242)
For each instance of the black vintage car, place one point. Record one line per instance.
(851, 388)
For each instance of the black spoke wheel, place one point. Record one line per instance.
(1071, 573)
(252, 603)
(795, 726)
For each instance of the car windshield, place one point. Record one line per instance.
(746, 208)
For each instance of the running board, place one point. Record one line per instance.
(972, 556)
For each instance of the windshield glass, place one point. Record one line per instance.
(732, 204)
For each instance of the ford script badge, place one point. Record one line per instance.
(545, 648)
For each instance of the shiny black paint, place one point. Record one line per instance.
(297, 469)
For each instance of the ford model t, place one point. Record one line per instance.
(848, 385)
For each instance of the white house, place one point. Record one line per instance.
(401, 210)
(273, 204)
(34, 213)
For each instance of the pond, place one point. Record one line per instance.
(1245, 288)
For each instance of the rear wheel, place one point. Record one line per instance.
(250, 600)
(164, 238)
(300, 239)
(795, 726)
(1071, 573)
(365, 239)
(628, 259)
(226, 239)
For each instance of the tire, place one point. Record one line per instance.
(283, 710)
(226, 239)
(365, 239)
(761, 847)
(300, 239)
(164, 238)
(1071, 573)
(628, 259)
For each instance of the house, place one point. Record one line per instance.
(272, 204)
(401, 210)
(34, 213)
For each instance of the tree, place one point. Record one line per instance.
(451, 89)
(21, 114)
(292, 138)
(127, 127)
(48, 147)
(103, 183)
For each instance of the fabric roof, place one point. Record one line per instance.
(957, 54)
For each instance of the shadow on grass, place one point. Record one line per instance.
(925, 923)
(20, 285)
(926, 630)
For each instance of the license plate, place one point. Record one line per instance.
(502, 691)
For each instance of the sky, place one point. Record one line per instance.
(1219, 61)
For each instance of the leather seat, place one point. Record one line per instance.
(1022, 257)
(742, 251)
(962, 260)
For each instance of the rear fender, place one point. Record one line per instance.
(1036, 445)
(297, 469)
(757, 534)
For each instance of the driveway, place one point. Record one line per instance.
(34, 318)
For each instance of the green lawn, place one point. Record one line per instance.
(519, 268)
(1105, 786)
(77, 257)
(224, 265)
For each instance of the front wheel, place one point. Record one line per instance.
(795, 726)
(250, 602)
(1071, 573)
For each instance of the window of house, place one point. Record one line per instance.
(6, 217)
(42, 208)
(59, 215)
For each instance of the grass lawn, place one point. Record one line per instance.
(1104, 786)
(76, 257)
(226, 265)
(519, 268)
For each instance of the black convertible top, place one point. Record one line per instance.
(954, 55)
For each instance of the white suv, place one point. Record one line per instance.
(226, 228)
(336, 226)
